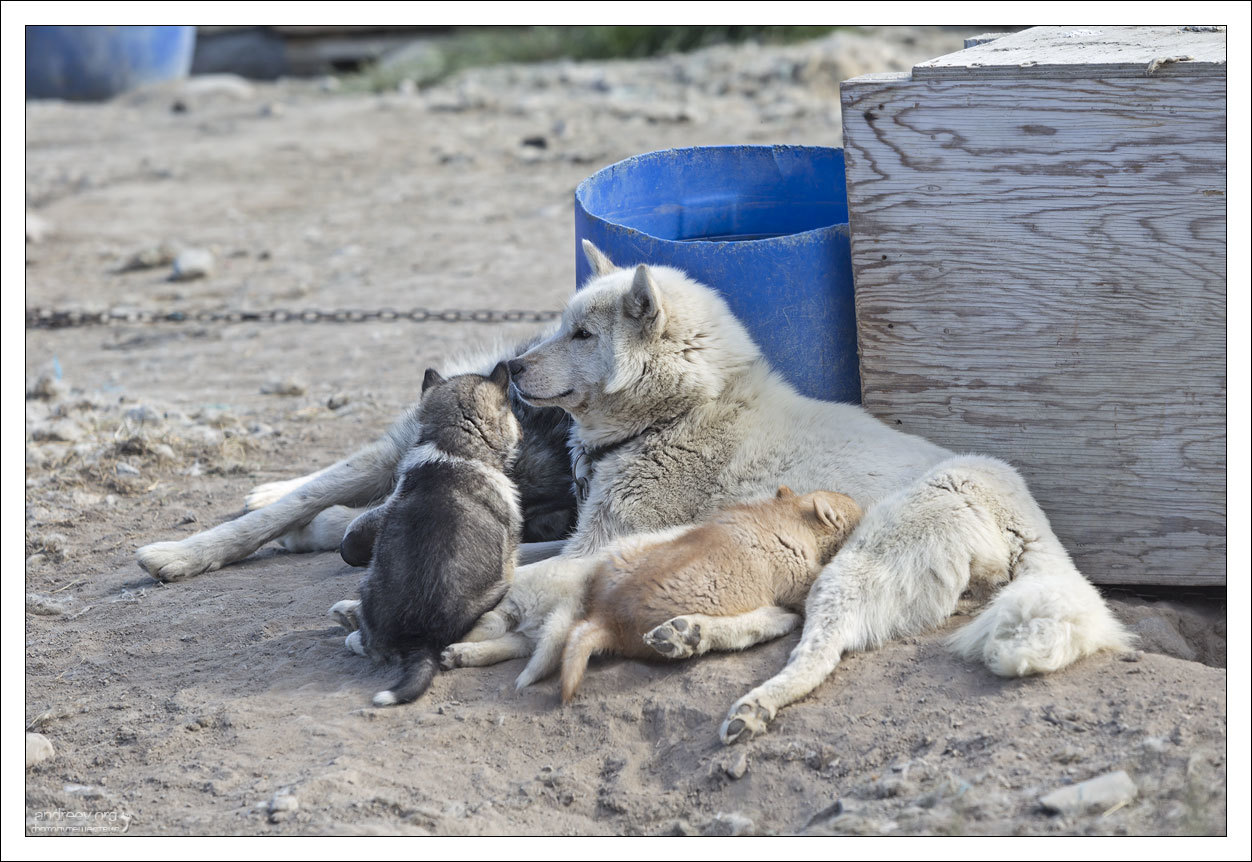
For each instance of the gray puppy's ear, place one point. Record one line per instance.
(432, 378)
(643, 303)
(500, 375)
(600, 263)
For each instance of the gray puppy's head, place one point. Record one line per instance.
(469, 415)
(635, 346)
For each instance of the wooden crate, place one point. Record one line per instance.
(1039, 251)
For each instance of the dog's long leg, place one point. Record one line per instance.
(271, 492)
(365, 476)
(483, 653)
(324, 533)
(696, 634)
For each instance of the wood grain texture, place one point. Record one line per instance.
(1040, 274)
(1088, 52)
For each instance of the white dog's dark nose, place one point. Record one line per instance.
(516, 367)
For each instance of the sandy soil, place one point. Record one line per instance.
(228, 705)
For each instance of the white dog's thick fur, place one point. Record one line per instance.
(677, 414)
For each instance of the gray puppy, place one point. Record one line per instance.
(447, 537)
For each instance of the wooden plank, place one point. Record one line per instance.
(1088, 52)
(1041, 275)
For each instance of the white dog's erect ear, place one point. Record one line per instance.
(600, 263)
(500, 375)
(432, 378)
(643, 303)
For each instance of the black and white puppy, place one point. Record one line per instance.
(446, 540)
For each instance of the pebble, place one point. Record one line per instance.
(150, 258)
(1101, 793)
(283, 805)
(46, 606)
(37, 228)
(124, 469)
(62, 430)
(48, 387)
(192, 263)
(164, 451)
(729, 825)
(143, 414)
(38, 749)
(737, 767)
(271, 109)
(260, 429)
(284, 387)
(339, 399)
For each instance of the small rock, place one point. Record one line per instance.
(682, 829)
(38, 749)
(329, 84)
(37, 228)
(143, 415)
(339, 399)
(192, 263)
(271, 109)
(1069, 754)
(47, 388)
(260, 429)
(46, 606)
(737, 767)
(124, 469)
(1098, 794)
(150, 258)
(283, 805)
(729, 825)
(164, 451)
(233, 86)
(284, 387)
(62, 430)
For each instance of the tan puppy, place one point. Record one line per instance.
(731, 582)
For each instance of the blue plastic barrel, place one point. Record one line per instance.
(91, 63)
(766, 226)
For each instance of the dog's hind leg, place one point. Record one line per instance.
(482, 653)
(695, 634)
(324, 533)
(360, 479)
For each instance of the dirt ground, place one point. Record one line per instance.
(227, 704)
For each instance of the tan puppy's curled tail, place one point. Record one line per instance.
(585, 640)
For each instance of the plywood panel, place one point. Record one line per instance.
(1041, 275)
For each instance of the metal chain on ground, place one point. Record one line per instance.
(46, 318)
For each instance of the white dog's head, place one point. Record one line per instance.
(635, 347)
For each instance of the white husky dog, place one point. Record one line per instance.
(676, 414)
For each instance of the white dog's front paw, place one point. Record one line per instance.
(745, 717)
(353, 642)
(323, 533)
(678, 638)
(173, 561)
(347, 614)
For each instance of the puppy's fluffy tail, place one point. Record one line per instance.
(585, 640)
(420, 668)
